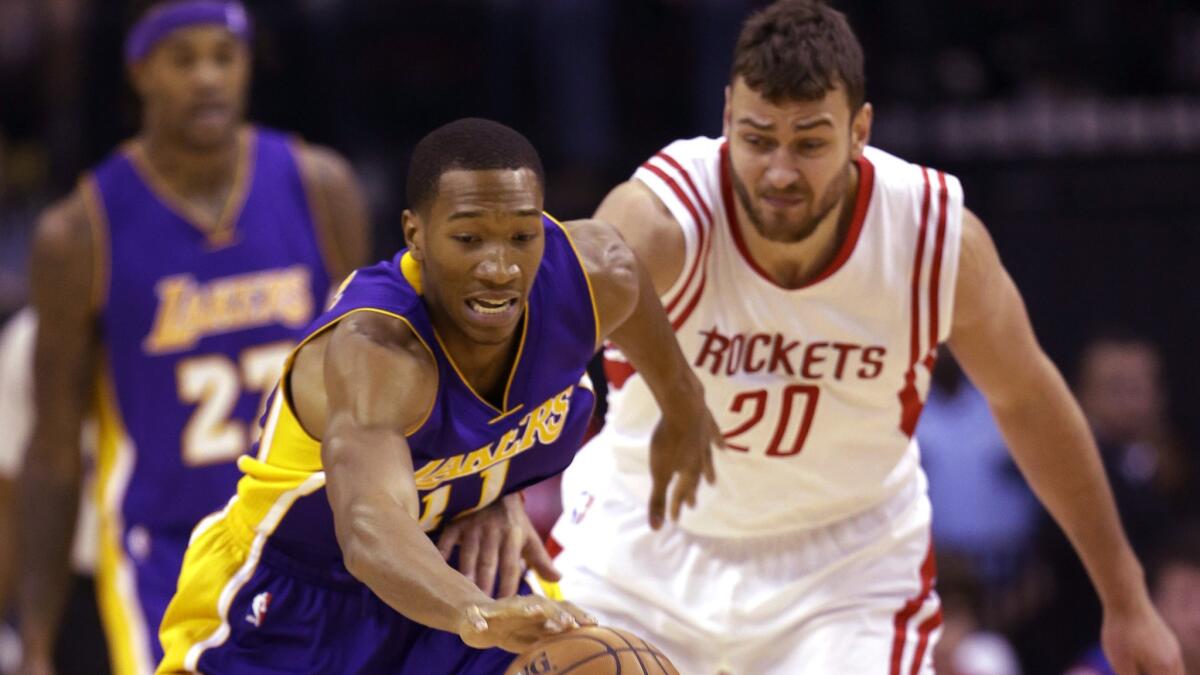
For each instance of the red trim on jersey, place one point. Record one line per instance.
(700, 226)
(910, 608)
(688, 179)
(924, 631)
(617, 372)
(553, 547)
(910, 400)
(935, 274)
(866, 185)
(687, 311)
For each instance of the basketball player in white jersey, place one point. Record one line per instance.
(810, 279)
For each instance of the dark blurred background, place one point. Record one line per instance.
(1073, 124)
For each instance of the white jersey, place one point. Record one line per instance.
(817, 389)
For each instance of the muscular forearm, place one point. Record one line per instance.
(386, 549)
(47, 506)
(648, 342)
(1053, 447)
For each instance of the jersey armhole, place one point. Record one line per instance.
(319, 216)
(685, 215)
(950, 258)
(596, 343)
(285, 379)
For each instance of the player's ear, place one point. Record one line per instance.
(139, 78)
(860, 129)
(414, 233)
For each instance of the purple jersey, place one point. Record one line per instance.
(468, 452)
(264, 587)
(194, 327)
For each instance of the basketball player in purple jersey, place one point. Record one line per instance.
(170, 285)
(435, 384)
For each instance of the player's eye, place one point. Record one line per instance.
(758, 142)
(465, 238)
(524, 237)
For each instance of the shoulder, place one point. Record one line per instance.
(324, 167)
(63, 232)
(611, 268)
(602, 250)
(900, 179)
(382, 358)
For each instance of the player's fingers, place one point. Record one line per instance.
(489, 559)
(539, 560)
(582, 617)
(707, 467)
(685, 491)
(468, 553)
(658, 501)
(510, 567)
(448, 541)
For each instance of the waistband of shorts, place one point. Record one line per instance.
(329, 574)
(852, 531)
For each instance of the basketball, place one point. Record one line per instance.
(595, 650)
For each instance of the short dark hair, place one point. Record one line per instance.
(799, 50)
(473, 144)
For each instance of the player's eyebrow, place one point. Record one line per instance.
(804, 125)
(763, 126)
(466, 213)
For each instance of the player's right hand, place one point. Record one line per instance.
(681, 454)
(515, 623)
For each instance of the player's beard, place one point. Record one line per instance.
(790, 233)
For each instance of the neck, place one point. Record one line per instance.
(190, 171)
(793, 265)
(485, 366)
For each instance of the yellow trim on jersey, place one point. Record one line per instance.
(544, 588)
(97, 219)
(287, 364)
(116, 578)
(512, 373)
(586, 277)
(221, 558)
(221, 233)
(410, 267)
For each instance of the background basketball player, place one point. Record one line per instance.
(810, 279)
(169, 286)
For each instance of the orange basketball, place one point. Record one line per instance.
(595, 650)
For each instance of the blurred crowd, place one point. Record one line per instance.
(1100, 235)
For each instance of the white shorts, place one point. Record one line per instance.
(852, 597)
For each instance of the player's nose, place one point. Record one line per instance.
(781, 172)
(497, 268)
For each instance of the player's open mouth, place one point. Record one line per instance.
(491, 306)
(494, 309)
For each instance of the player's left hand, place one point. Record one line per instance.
(495, 539)
(1138, 642)
(681, 450)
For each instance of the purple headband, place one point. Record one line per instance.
(164, 20)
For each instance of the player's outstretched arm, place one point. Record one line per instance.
(633, 318)
(380, 382)
(62, 280)
(993, 340)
